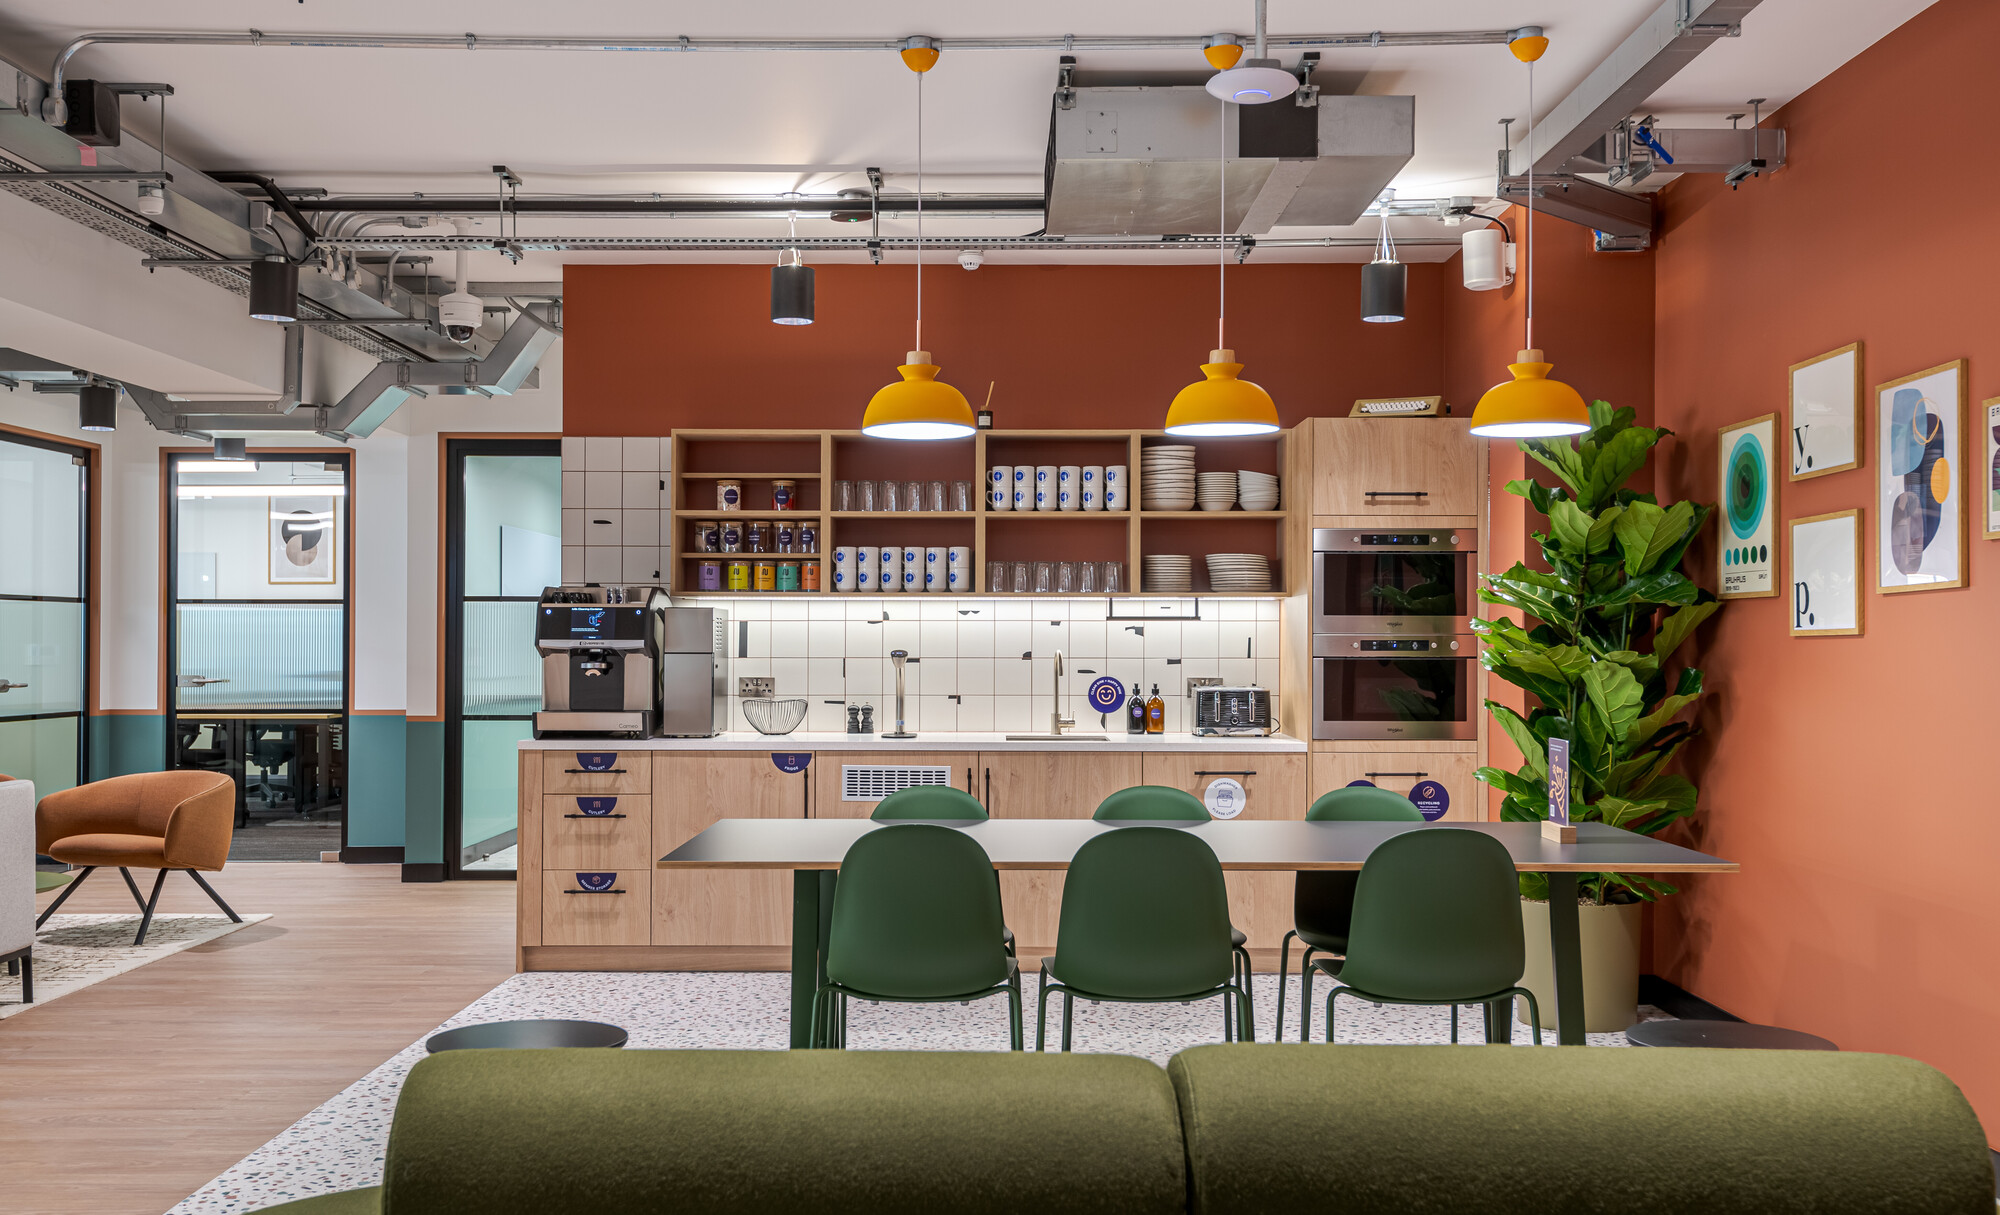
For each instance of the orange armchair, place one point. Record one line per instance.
(150, 820)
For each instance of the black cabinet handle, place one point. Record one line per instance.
(1418, 775)
(593, 892)
(989, 789)
(593, 816)
(595, 771)
(1251, 773)
(1396, 493)
(968, 780)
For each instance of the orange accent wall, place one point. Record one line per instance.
(1853, 778)
(654, 348)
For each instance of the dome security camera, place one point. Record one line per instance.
(971, 259)
(461, 313)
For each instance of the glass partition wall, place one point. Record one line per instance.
(258, 638)
(44, 584)
(503, 545)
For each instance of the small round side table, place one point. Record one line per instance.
(526, 1035)
(1729, 1034)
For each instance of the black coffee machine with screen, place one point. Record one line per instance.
(600, 649)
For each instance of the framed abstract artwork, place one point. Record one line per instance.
(1989, 475)
(1825, 564)
(1824, 413)
(1747, 551)
(302, 542)
(1920, 480)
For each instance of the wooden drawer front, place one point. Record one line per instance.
(718, 907)
(1373, 466)
(1274, 785)
(621, 772)
(1403, 772)
(570, 917)
(621, 838)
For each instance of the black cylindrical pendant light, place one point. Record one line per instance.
(97, 407)
(274, 290)
(1383, 286)
(792, 292)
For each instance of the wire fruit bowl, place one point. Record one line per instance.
(774, 716)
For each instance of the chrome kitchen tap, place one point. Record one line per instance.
(1057, 722)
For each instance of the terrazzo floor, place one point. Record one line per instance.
(339, 1145)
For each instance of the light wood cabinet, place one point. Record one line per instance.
(719, 907)
(1407, 466)
(573, 915)
(607, 772)
(617, 836)
(829, 783)
(1046, 784)
(1274, 787)
(1403, 771)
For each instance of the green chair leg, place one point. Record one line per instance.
(1068, 1010)
(1042, 1014)
(1330, 998)
(1306, 973)
(1534, 1014)
(1014, 1014)
(1284, 976)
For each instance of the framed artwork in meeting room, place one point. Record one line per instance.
(1990, 410)
(1746, 558)
(1920, 480)
(301, 548)
(1825, 557)
(1825, 413)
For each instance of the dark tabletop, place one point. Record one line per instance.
(521, 1035)
(820, 843)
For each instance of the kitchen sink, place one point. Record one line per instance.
(1058, 737)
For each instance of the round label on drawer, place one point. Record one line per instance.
(1431, 800)
(596, 807)
(791, 761)
(596, 761)
(596, 883)
(1224, 798)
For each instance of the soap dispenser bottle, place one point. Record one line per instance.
(1156, 713)
(1135, 712)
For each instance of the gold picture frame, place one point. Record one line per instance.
(1748, 561)
(1802, 598)
(1952, 448)
(1795, 441)
(1990, 482)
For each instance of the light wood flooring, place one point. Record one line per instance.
(124, 1098)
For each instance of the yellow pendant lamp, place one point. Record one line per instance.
(1531, 405)
(918, 406)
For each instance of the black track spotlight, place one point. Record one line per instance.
(1383, 287)
(792, 291)
(97, 407)
(274, 290)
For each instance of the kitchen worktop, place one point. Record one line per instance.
(802, 740)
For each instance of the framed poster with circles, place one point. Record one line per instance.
(1989, 475)
(1825, 566)
(1825, 413)
(1920, 480)
(1747, 549)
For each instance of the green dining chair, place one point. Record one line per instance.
(1437, 920)
(1166, 804)
(1145, 920)
(916, 919)
(1323, 900)
(938, 803)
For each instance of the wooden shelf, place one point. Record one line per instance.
(727, 557)
(750, 476)
(905, 515)
(1272, 515)
(1064, 516)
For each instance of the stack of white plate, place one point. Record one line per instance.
(1165, 574)
(1215, 490)
(1256, 491)
(1166, 478)
(1239, 572)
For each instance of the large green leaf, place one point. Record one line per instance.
(1678, 627)
(1511, 783)
(1603, 529)
(1667, 586)
(1535, 492)
(1537, 601)
(1636, 528)
(1644, 728)
(1628, 774)
(1615, 695)
(1569, 526)
(1561, 458)
(1623, 812)
(1511, 724)
(1616, 461)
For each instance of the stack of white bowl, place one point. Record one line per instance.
(1239, 572)
(1256, 490)
(1166, 478)
(1215, 490)
(1166, 574)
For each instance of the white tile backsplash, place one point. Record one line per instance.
(640, 455)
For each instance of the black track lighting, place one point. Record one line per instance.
(792, 291)
(274, 290)
(97, 407)
(1383, 287)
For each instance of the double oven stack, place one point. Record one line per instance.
(1393, 655)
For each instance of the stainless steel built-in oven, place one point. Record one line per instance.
(1388, 579)
(1395, 687)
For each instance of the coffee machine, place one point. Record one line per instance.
(600, 648)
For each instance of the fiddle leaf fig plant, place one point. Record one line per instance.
(1595, 651)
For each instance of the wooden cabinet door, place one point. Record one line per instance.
(1274, 787)
(1046, 784)
(719, 907)
(829, 800)
(1404, 771)
(1407, 466)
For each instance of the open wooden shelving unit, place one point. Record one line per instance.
(817, 458)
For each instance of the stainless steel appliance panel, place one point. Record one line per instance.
(1389, 579)
(1395, 687)
(694, 701)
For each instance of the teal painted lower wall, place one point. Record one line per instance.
(423, 794)
(377, 754)
(124, 743)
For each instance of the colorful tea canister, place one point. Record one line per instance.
(739, 575)
(784, 495)
(788, 575)
(766, 576)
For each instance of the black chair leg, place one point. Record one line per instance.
(226, 910)
(1284, 977)
(1067, 1016)
(1454, 1025)
(146, 921)
(27, 978)
(67, 891)
(132, 886)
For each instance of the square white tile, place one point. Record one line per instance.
(788, 609)
(791, 676)
(825, 609)
(572, 563)
(755, 638)
(639, 490)
(1163, 639)
(604, 527)
(641, 527)
(975, 713)
(1049, 636)
(1270, 609)
(641, 564)
(640, 455)
(1236, 639)
(745, 609)
(937, 609)
(603, 564)
(824, 677)
(826, 638)
(1086, 639)
(1236, 609)
(937, 639)
(1016, 714)
(864, 676)
(1267, 639)
(573, 453)
(940, 675)
(935, 713)
(864, 639)
(1122, 640)
(603, 455)
(1267, 673)
(975, 676)
(602, 490)
(1012, 677)
(823, 716)
(573, 530)
(975, 638)
(1013, 638)
(1237, 672)
(789, 639)
(1199, 639)
(572, 490)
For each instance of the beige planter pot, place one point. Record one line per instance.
(1610, 937)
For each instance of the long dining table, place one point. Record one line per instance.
(813, 849)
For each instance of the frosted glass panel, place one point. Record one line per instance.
(511, 492)
(273, 658)
(503, 673)
(491, 784)
(41, 645)
(41, 544)
(42, 751)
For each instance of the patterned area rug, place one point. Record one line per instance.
(74, 951)
(339, 1145)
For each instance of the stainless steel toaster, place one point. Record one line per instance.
(1238, 711)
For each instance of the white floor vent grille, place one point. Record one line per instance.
(873, 782)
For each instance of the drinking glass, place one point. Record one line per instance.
(934, 496)
(1113, 576)
(1066, 577)
(913, 495)
(996, 575)
(1020, 581)
(843, 495)
(869, 497)
(1045, 577)
(1086, 577)
(887, 497)
(961, 495)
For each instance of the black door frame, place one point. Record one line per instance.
(80, 457)
(170, 579)
(455, 599)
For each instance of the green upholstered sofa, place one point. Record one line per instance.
(1273, 1128)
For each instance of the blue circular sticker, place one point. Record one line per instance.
(1360, 784)
(1106, 694)
(1431, 800)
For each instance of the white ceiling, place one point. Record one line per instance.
(579, 122)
